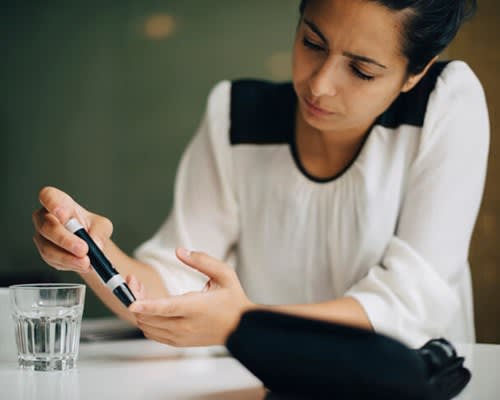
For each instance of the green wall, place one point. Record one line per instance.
(95, 106)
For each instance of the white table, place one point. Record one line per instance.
(141, 369)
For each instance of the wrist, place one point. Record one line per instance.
(245, 305)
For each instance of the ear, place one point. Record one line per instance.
(414, 79)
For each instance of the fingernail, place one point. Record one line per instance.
(185, 253)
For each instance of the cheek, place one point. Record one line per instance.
(368, 102)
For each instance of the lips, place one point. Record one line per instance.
(314, 109)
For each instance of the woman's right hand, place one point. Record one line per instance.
(57, 246)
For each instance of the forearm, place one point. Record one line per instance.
(346, 310)
(125, 265)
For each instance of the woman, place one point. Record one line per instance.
(349, 196)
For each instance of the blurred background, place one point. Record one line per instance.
(100, 99)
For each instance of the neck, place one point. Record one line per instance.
(329, 145)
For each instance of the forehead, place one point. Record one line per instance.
(357, 26)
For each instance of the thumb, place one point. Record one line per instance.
(100, 230)
(62, 205)
(215, 269)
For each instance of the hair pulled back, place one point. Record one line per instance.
(428, 26)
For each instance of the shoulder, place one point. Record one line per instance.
(456, 118)
(252, 111)
(218, 100)
(457, 91)
(444, 83)
(458, 75)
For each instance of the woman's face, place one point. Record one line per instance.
(347, 64)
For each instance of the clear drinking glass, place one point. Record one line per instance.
(47, 319)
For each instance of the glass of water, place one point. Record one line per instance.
(47, 319)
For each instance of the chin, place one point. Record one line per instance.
(321, 124)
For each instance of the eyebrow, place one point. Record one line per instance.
(356, 57)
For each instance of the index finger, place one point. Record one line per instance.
(175, 306)
(58, 203)
(51, 229)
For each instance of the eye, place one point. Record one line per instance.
(360, 74)
(313, 46)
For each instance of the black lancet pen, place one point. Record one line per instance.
(102, 265)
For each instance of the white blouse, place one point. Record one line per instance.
(392, 230)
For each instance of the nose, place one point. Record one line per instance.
(325, 80)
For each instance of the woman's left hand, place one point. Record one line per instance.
(195, 318)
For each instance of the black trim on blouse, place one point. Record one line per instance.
(409, 108)
(263, 112)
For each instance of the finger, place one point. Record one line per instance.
(161, 330)
(58, 258)
(161, 333)
(61, 205)
(175, 306)
(169, 324)
(50, 228)
(136, 286)
(215, 269)
(100, 230)
(165, 339)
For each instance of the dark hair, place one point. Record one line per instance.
(428, 26)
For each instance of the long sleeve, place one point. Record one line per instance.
(204, 214)
(414, 293)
